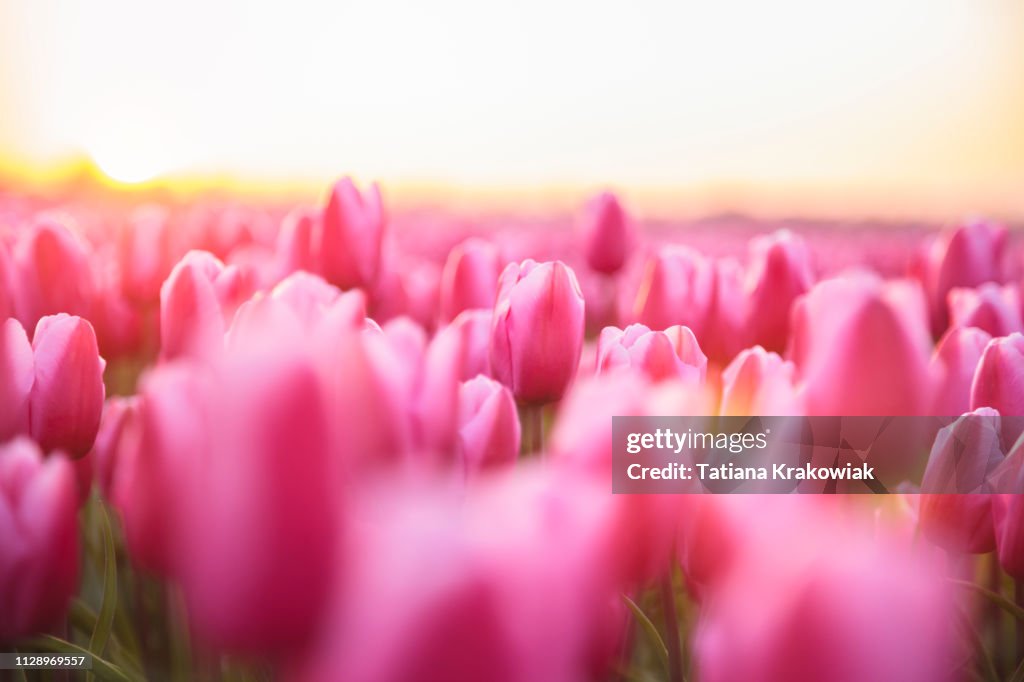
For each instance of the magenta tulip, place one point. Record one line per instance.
(671, 354)
(470, 278)
(39, 535)
(67, 393)
(607, 233)
(489, 429)
(349, 235)
(537, 332)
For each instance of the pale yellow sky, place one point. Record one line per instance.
(913, 102)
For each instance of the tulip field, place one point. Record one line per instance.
(243, 440)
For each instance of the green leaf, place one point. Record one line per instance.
(1004, 603)
(1018, 674)
(102, 668)
(108, 606)
(649, 629)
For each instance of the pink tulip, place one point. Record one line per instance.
(960, 468)
(470, 278)
(671, 354)
(349, 235)
(295, 248)
(54, 273)
(778, 273)
(678, 287)
(999, 379)
(953, 365)
(8, 281)
(474, 327)
(118, 432)
(259, 512)
(17, 374)
(861, 347)
(67, 393)
(607, 233)
(760, 383)
(1008, 520)
(191, 316)
(39, 535)
(967, 256)
(842, 604)
(145, 254)
(489, 432)
(537, 333)
(993, 308)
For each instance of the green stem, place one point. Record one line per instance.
(675, 655)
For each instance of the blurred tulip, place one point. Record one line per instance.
(8, 282)
(673, 353)
(861, 347)
(966, 256)
(349, 234)
(956, 512)
(999, 378)
(1008, 521)
(118, 432)
(67, 393)
(54, 273)
(39, 564)
(779, 272)
(295, 248)
(537, 333)
(607, 233)
(678, 287)
(17, 374)
(145, 254)
(470, 278)
(474, 326)
(990, 307)
(488, 425)
(759, 383)
(953, 365)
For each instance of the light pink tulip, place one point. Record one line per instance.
(67, 392)
(861, 347)
(489, 431)
(671, 354)
(17, 374)
(993, 308)
(470, 278)
(607, 233)
(39, 535)
(295, 249)
(760, 383)
(537, 333)
(953, 365)
(349, 235)
(779, 271)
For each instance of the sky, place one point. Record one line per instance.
(915, 104)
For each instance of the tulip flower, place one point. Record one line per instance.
(861, 347)
(956, 511)
(191, 318)
(39, 535)
(537, 332)
(118, 432)
(474, 326)
(295, 249)
(488, 432)
(993, 308)
(349, 235)
(54, 273)
(8, 282)
(607, 233)
(967, 256)
(673, 353)
(145, 255)
(953, 365)
(470, 278)
(67, 391)
(760, 383)
(1008, 520)
(17, 374)
(678, 287)
(778, 273)
(999, 378)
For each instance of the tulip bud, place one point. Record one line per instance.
(17, 374)
(671, 354)
(118, 432)
(993, 308)
(295, 249)
(779, 272)
(678, 287)
(349, 235)
(953, 365)
(39, 533)
(956, 511)
(759, 383)
(999, 378)
(191, 317)
(470, 278)
(54, 273)
(861, 347)
(537, 332)
(68, 391)
(607, 233)
(489, 429)
(474, 327)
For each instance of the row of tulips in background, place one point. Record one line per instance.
(239, 443)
